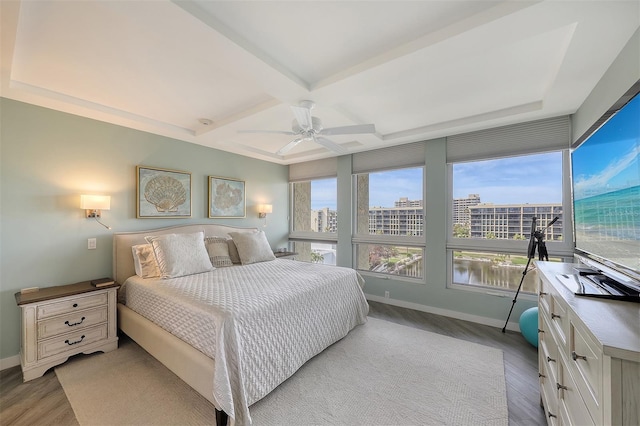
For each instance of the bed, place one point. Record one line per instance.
(233, 333)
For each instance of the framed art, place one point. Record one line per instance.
(226, 198)
(162, 193)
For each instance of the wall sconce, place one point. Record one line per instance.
(93, 204)
(263, 210)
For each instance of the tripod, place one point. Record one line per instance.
(536, 241)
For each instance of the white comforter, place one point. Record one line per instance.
(259, 322)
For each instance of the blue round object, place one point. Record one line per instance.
(529, 325)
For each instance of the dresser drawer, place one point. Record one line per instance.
(548, 349)
(69, 305)
(544, 296)
(549, 392)
(69, 341)
(72, 322)
(586, 366)
(570, 400)
(559, 319)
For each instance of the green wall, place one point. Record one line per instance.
(49, 158)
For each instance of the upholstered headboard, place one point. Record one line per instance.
(123, 241)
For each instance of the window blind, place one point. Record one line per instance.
(316, 169)
(393, 157)
(517, 139)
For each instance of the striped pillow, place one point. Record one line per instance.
(218, 250)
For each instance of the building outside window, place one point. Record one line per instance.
(314, 222)
(493, 205)
(390, 222)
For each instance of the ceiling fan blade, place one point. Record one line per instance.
(330, 145)
(303, 117)
(279, 132)
(349, 130)
(288, 147)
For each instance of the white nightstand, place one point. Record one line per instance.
(61, 321)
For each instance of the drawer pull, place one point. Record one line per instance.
(549, 359)
(576, 357)
(76, 342)
(559, 386)
(540, 331)
(542, 293)
(552, 415)
(81, 321)
(554, 316)
(542, 375)
(75, 305)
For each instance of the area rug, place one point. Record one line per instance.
(380, 374)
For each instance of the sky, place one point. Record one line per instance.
(610, 158)
(529, 179)
(515, 180)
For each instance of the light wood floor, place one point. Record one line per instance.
(43, 402)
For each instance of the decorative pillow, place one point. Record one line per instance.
(180, 254)
(253, 247)
(233, 252)
(218, 250)
(144, 260)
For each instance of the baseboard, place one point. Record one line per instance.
(12, 361)
(513, 326)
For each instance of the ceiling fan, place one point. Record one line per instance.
(308, 128)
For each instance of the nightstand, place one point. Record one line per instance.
(66, 320)
(285, 254)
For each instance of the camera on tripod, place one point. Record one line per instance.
(536, 242)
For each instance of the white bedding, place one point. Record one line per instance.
(260, 322)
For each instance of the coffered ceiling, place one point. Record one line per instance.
(416, 69)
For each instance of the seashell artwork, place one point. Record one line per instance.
(165, 193)
(162, 193)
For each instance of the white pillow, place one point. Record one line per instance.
(252, 247)
(144, 260)
(218, 250)
(180, 254)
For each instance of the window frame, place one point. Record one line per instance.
(394, 240)
(558, 249)
(311, 236)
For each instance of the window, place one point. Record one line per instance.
(495, 270)
(314, 221)
(315, 252)
(493, 206)
(390, 221)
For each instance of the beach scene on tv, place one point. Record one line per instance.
(606, 189)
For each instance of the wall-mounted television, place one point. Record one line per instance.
(605, 166)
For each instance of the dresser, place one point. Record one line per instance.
(61, 321)
(588, 354)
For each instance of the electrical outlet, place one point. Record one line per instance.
(386, 294)
(91, 244)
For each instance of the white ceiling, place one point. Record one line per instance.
(416, 69)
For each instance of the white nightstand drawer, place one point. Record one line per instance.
(72, 322)
(69, 305)
(65, 342)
